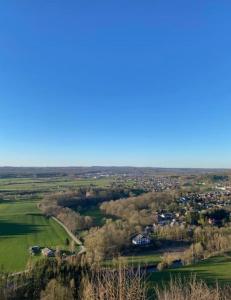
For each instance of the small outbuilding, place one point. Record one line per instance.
(48, 252)
(34, 250)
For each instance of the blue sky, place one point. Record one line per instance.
(143, 83)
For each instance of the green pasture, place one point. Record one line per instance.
(97, 215)
(152, 258)
(21, 226)
(21, 223)
(49, 184)
(212, 270)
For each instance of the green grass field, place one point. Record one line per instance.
(21, 226)
(98, 216)
(21, 223)
(212, 270)
(49, 184)
(136, 260)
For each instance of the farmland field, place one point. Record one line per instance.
(21, 223)
(21, 226)
(48, 184)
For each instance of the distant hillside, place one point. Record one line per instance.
(100, 170)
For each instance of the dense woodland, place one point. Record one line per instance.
(65, 205)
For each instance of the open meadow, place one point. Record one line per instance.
(22, 224)
(49, 184)
(211, 270)
(139, 260)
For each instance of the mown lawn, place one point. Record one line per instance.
(21, 226)
(212, 270)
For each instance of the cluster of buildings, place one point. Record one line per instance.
(160, 219)
(149, 183)
(194, 203)
(166, 218)
(35, 250)
(48, 252)
(200, 204)
(204, 201)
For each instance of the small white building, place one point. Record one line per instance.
(48, 252)
(140, 239)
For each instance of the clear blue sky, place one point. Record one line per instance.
(145, 83)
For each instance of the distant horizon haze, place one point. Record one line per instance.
(109, 166)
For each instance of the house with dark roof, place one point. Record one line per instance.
(141, 239)
(34, 250)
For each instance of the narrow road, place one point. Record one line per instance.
(71, 235)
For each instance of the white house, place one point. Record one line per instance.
(140, 239)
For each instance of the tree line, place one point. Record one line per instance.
(76, 280)
(65, 206)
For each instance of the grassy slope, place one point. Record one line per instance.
(21, 226)
(142, 260)
(136, 260)
(214, 269)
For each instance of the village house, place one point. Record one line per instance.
(163, 219)
(141, 239)
(212, 221)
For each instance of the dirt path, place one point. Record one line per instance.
(71, 235)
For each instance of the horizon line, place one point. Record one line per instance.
(114, 166)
